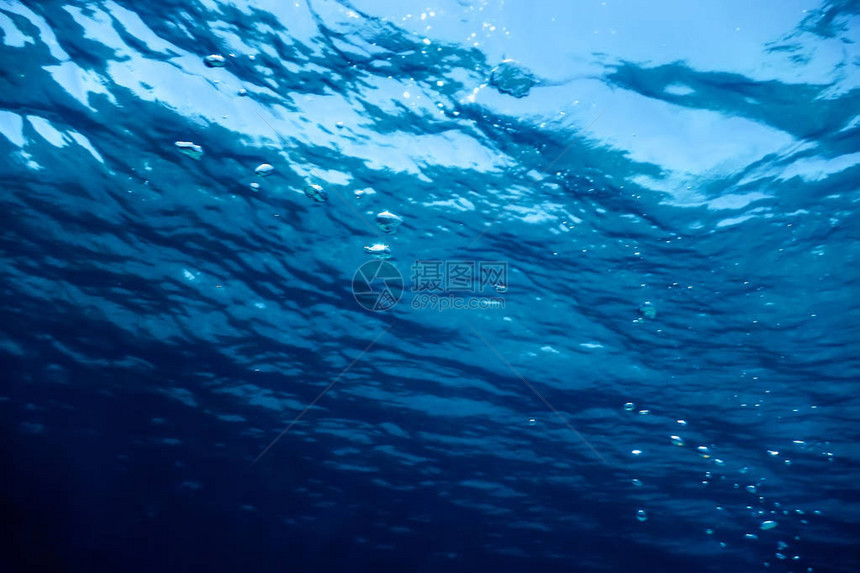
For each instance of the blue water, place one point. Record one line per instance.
(666, 362)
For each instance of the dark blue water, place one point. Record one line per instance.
(657, 369)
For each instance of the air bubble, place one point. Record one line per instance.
(264, 169)
(317, 193)
(388, 221)
(190, 149)
(510, 78)
(648, 310)
(378, 251)
(215, 61)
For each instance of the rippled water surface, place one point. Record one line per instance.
(655, 367)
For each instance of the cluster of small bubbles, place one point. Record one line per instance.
(764, 518)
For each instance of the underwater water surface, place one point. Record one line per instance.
(461, 285)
